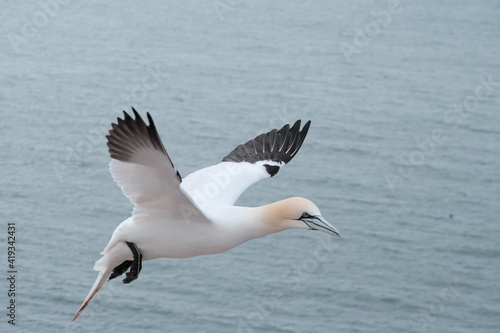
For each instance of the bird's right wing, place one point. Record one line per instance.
(257, 159)
(143, 170)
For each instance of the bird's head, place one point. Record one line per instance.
(297, 213)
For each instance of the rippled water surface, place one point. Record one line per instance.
(402, 157)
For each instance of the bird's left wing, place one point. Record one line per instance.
(143, 170)
(250, 162)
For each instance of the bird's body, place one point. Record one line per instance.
(161, 238)
(179, 218)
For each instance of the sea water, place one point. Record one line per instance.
(402, 157)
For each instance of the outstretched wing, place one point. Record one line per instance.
(248, 163)
(143, 170)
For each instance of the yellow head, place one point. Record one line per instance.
(295, 213)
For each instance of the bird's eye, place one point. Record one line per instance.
(305, 215)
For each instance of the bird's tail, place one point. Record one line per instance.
(104, 273)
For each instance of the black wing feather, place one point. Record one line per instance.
(277, 145)
(129, 136)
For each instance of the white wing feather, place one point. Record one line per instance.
(250, 162)
(223, 183)
(142, 169)
(154, 193)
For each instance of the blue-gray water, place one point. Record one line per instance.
(402, 157)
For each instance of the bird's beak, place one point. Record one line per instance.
(319, 223)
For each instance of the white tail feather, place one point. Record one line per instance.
(103, 276)
(116, 252)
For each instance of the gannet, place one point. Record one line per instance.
(178, 218)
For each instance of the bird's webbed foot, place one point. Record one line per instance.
(120, 269)
(135, 265)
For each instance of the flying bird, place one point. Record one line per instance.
(176, 217)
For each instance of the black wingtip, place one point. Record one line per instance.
(150, 119)
(129, 135)
(276, 145)
(297, 124)
(137, 115)
(306, 126)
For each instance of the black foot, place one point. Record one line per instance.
(120, 269)
(136, 265)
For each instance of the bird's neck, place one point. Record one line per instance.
(246, 223)
(233, 225)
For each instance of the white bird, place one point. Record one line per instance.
(179, 218)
